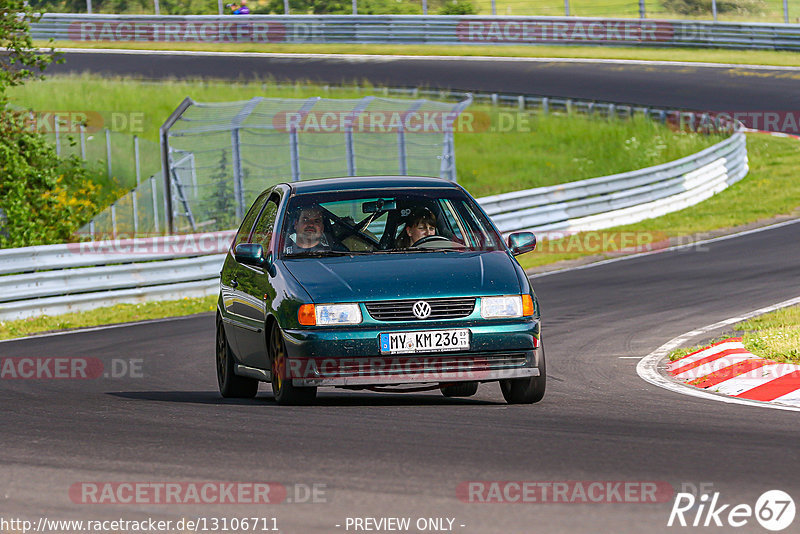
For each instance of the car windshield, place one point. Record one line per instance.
(405, 221)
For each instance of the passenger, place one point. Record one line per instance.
(420, 224)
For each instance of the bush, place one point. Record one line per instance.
(703, 7)
(44, 198)
(458, 7)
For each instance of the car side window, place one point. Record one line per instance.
(262, 231)
(243, 234)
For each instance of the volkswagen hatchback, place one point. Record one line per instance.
(379, 283)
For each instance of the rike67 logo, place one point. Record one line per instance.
(774, 510)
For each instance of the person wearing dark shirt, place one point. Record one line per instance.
(309, 234)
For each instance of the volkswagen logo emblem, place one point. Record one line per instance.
(421, 309)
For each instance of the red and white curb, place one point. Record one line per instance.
(750, 387)
(729, 368)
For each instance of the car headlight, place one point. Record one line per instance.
(329, 314)
(506, 306)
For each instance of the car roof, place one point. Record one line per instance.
(368, 182)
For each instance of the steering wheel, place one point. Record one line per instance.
(431, 239)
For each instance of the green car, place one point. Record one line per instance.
(386, 283)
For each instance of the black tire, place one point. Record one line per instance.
(230, 384)
(460, 389)
(526, 390)
(282, 388)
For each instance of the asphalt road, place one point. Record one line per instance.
(382, 455)
(405, 455)
(702, 88)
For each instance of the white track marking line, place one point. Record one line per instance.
(98, 328)
(662, 251)
(647, 368)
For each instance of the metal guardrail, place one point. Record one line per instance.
(416, 29)
(621, 198)
(127, 270)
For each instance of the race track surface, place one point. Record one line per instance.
(405, 455)
(392, 455)
(690, 87)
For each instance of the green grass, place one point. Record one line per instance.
(121, 313)
(772, 180)
(526, 150)
(775, 335)
(754, 57)
(772, 12)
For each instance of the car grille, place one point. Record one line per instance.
(402, 310)
(411, 365)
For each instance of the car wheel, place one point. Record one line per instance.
(230, 384)
(526, 390)
(461, 389)
(282, 388)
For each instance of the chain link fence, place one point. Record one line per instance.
(217, 157)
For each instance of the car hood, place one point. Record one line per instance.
(407, 276)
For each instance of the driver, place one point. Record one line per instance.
(420, 224)
(309, 235)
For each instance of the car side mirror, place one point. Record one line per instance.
(250, 254)
(521, 242)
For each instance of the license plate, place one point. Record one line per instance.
(426, 341)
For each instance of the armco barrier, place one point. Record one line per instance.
(622, 198)
(46, 280)
(415, 29)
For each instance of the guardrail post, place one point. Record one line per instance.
(494, 8)
(566, 8)
(355, 7)
(521, 102)
(642, 10)
(568, 106)
(108, 151)
(424, 7)
(612, 111)
(714, 9)
(786, 11)
(91, 229)
(89, 7)
(545, 105)
(285, 7)
(494, 99)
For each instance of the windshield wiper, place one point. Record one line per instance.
(324, 253)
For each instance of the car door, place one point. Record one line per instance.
(257, 291)
(235, 303)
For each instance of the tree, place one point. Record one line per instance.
(23, 61)
(44, 198)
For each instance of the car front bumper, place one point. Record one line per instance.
(352, 357)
